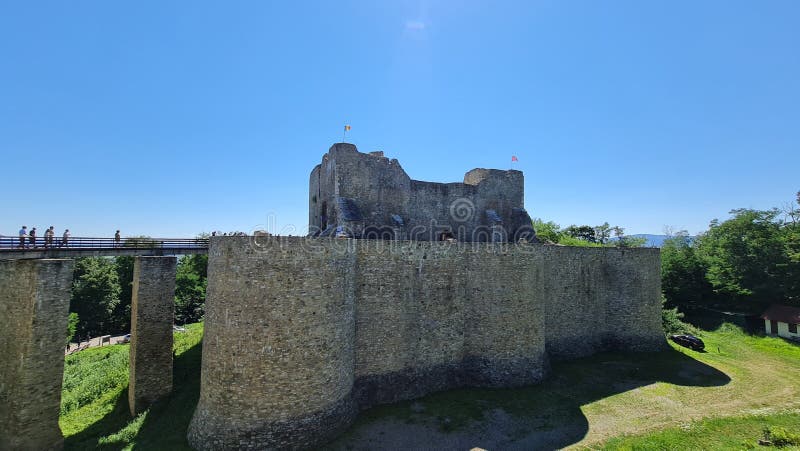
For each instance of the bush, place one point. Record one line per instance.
(778, 436)
(672, 321)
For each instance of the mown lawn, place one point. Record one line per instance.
(94, 401)
(675, 399)
(778, 430)
(587, 402)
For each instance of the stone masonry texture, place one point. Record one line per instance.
(371, 196)
(152, 311)
(34, 306)
(301, 333)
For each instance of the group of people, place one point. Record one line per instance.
(28, 239)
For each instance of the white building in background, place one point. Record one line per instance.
(782, 320)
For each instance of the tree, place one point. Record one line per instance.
(95, 295)
(584, 232)
(547, 231)
(746, 257)
(602, 233)
(683, 274)
(122, 311)
(72, 326)
(190, 288)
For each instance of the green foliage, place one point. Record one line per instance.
(568, 240)
(122, 313)
(584, 232)
(631, 241)
(584, 236)
(190, 288)
(91, 374)
(741, 432)
(547, 232)
(94, 410)
(72, 326)
(672, 322)
(95, 295)
(778, 436)
(746, 258)
(683, 274)
(103, 289)
(602, 233)
(744, 263)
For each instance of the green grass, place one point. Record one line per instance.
(591, 400)
(718, 434)
(94, 407)
(719, 399)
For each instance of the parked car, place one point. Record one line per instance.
(688, 341)
(126, 338)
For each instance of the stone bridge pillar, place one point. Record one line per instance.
(34, 306)
(152, 312)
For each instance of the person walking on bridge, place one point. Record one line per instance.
(32, 237)
(117, 238)
(49, 234)
(23, 234)
(65, 238)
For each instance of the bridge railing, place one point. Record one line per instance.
(13, 243)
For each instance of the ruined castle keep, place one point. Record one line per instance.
(302, 333)
(364, 195)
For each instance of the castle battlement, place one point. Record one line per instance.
(366, 195)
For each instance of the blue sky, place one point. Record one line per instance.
(173, 118)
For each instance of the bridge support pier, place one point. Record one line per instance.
(34, 306)
(152, 311)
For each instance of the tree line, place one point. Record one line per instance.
(741, 264)
(603, 235)
(102, 288)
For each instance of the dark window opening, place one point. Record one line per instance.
(793, 328)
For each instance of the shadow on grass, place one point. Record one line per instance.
(544, 416)
(166, 422)
(113, 421)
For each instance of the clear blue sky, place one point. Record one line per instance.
(173, 118)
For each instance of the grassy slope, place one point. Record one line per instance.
(712, 434)
(589, 401)
(94, 406)
(586, 402)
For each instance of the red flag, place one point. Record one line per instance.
(514, 158)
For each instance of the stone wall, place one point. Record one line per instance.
(301, 333)
(278, 353)
(601, 298)
(34, 304)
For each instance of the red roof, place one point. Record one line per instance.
(783, 314)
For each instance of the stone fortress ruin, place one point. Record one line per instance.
(302, 333)
(370, 196)
(447, 289)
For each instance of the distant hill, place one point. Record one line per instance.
(654, 240)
